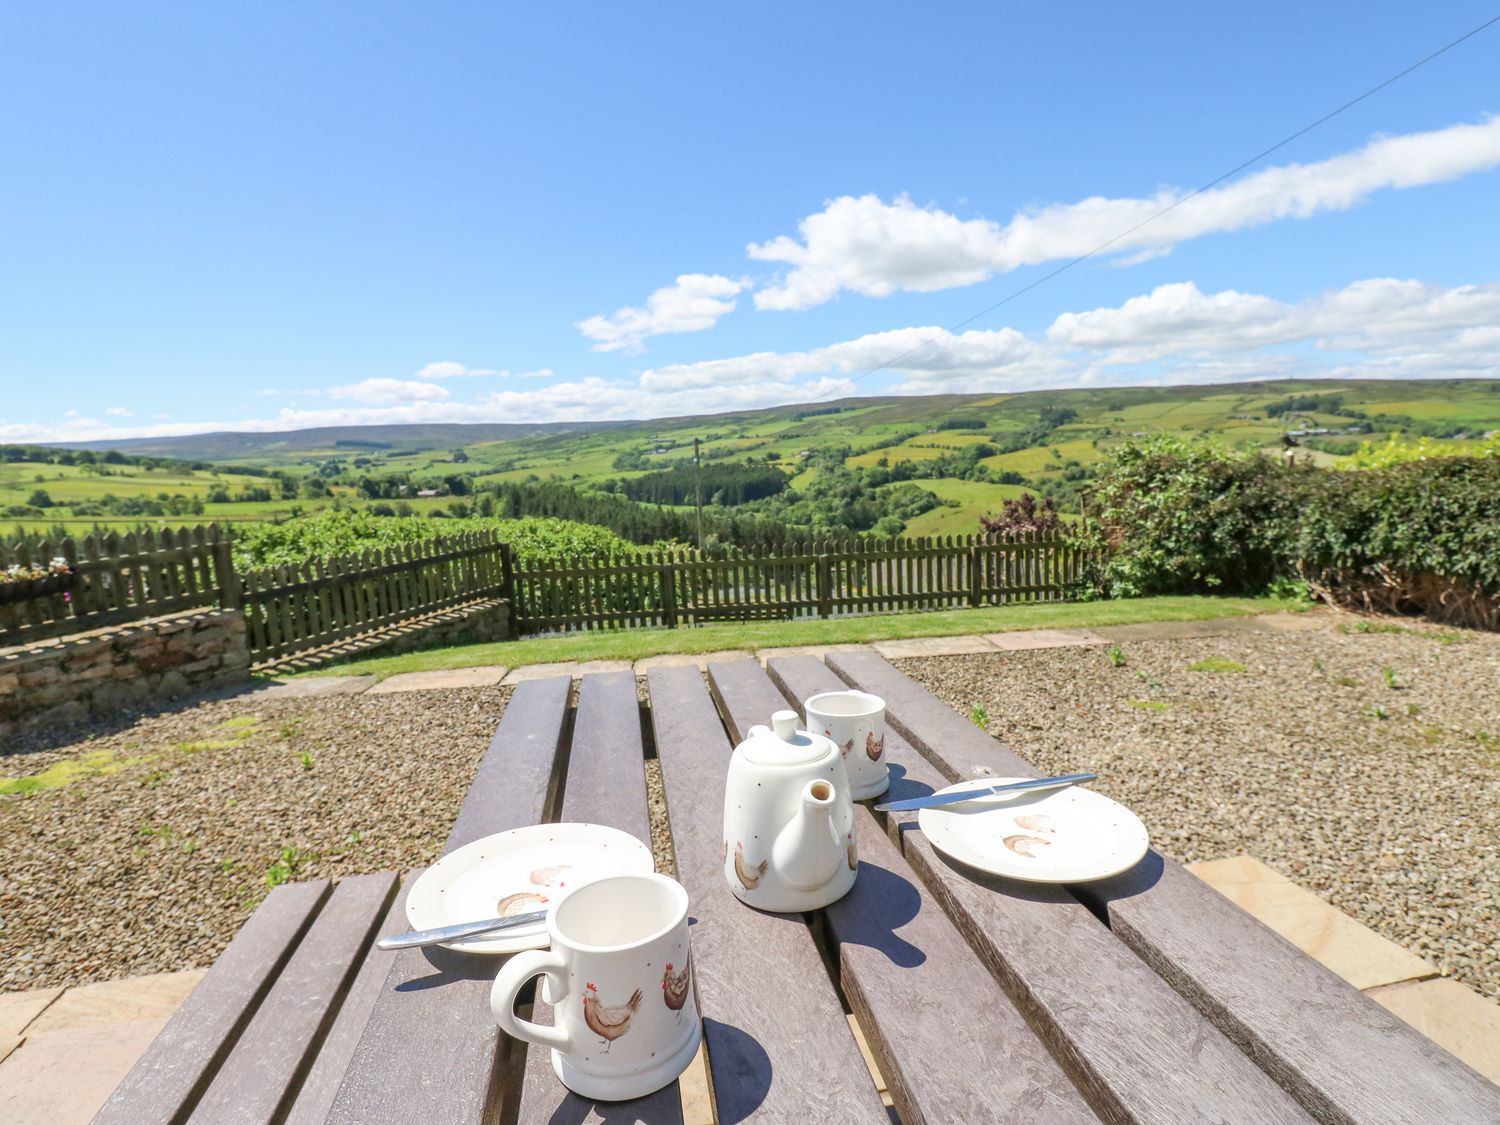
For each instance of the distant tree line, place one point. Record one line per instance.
(48, 455)
(728, 485)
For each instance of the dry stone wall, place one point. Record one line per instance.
(74, 679)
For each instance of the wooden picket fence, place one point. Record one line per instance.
(823, 579)
(118, 579)
(291, 609)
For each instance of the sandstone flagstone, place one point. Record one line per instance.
(441, 679)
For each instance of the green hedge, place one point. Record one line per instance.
(1178, 518)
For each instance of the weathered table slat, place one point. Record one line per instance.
(951, 1045)
(1338, 1052)
(272, 1053)
(779, 1047)
(1138, 1049)
(606, 784)
(171, 1075)
(316, 1095)
(429, 1051)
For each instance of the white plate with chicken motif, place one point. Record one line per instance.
(517, 872)
(1071, 835)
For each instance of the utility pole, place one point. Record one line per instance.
(698, 490)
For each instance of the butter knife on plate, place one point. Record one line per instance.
(935, 800)
(461, 930)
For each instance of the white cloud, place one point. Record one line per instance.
(1176, 333)
(446, 369)
(693, 303)
(934, 354)
(117, 412)
(1378, 317)
(390, 390)
(1379, 327)
(875, 248)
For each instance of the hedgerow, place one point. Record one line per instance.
(1416, 536)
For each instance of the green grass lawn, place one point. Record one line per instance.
(634, 644)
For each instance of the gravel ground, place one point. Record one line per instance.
(154, 856)
(1381, 795)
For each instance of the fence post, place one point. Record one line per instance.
(825, 587)
(507, 575)
(976, 584)
(664, 575)
(229, 581)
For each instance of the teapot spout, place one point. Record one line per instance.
(807, 852)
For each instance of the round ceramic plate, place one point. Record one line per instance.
(1060, 836)
(515, 872)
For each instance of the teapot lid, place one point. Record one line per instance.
(782, 744)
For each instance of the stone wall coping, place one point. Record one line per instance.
(165, 624)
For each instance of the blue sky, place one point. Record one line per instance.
(300, 214)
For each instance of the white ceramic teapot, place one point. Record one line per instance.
(788, 819)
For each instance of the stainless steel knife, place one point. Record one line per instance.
(937, 799)
(460, 930)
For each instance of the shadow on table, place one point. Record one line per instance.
(879, 905)
(741, 1071)
(903, 788)
(449, 965)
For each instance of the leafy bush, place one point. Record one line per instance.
(337, 532)
(1173, 518)
(1418, 536)
(1399, 451)
(1023, 515)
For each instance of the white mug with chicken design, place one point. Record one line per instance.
(855, 721)
(619, 977)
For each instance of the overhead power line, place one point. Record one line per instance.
(1240, 167)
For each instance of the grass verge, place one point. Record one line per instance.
(635, 644)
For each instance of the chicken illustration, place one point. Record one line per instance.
(608, 1021)
(749, 874)
(1035, 822)
(519, 903)
(674, 986)
(874, 747)
(550, 876)
(851, 853)
(846, 747)
(1022, 845)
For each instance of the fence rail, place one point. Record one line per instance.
(291, 609)
(118, 579)
(829, 579)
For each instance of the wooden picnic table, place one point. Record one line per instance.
(1145, 998)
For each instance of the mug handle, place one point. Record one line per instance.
(515, 973)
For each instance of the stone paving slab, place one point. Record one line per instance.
(564, 668)
(688, 659)
(1178, 630)
(18, 1009)
(819, 651)
(63, 1077)
(1352, 950)
(153, 997)
(308, 687)
(1308, 621)
(933, 646)
(1029, 639)
(443, 679)
(1454, 1017)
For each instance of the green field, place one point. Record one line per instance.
(1052, 440)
